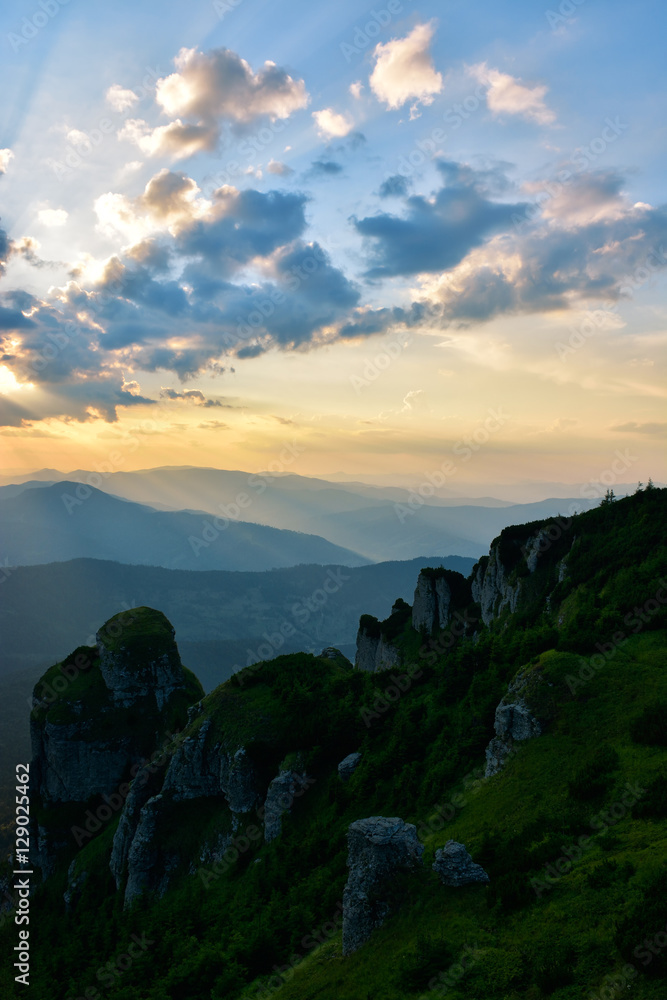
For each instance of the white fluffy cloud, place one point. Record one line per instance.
(331, 124)
(215, 85)
(120, 99)
(5, 156)
(404, 70)
(507, 95)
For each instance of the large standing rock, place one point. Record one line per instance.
(139, 657)
(455, 866)
(96, 716)
(368, 640)
(513, 722)
(432, 602)
(378, 849)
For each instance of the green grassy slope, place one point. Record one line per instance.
(562, 917)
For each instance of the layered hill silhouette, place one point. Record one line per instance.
(378, 523)
(68, 521)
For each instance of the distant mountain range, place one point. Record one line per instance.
(223, 619)
(70, 521)
(369, 523)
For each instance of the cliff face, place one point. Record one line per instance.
(431, 604)
(97, 715)
(376, 645)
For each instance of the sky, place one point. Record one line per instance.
(409, 239)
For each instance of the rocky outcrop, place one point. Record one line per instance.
(432, 602)
(280, 796)
(491, 589)
(513, 722)
(139, 657)
(144, 786)
(149, 866)
(375, 651)
(97, 716)
(455, 866)
(348, 766)
(378, 850)
(368, 640)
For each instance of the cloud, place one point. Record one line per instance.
(559, 261)
(194, 396)
(325, 168)
(52, 217)
(178, 139)
(395, 186)
(331, 124)
(278, 168)
(119, 98)
(507, 95)
(404, 69)
(356, 89)
(5, 156)
(634, 428)
(219, 85)
(436, 234)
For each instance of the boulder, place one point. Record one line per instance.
(348, 766)
(455, 866)
(378, 849)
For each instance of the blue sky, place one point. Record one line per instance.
(363, 227)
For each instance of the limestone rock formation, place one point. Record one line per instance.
(348, 766)
(279, 798)
(378, 849)
(96, 716)
(375, 650)
(139, 657)
(491, 589)
(455, 866)
(513, 722)
(432, 602)
(149, 865)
